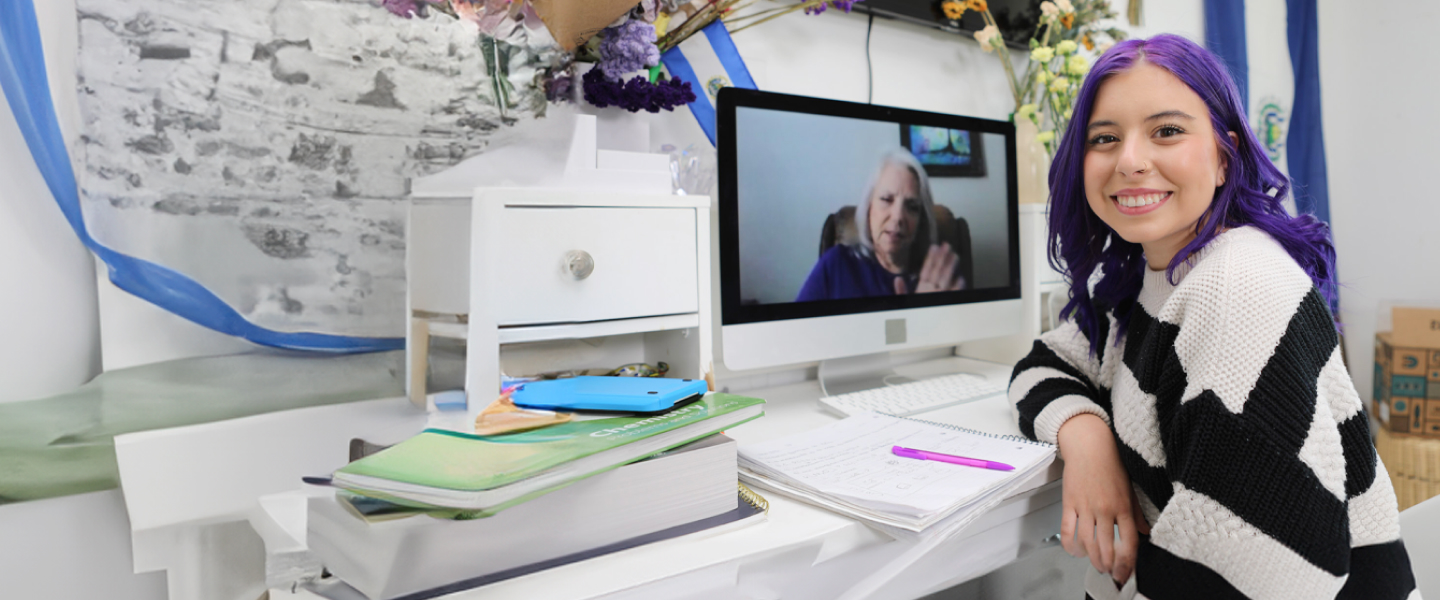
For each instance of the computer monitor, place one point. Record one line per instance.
(827, 211)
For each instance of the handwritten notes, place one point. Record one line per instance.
(852, 459)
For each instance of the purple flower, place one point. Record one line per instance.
(637, 93)
(845, 5)
(628, 48)
(401, 8)
(558, 88)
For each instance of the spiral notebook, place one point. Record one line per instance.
(848, 467)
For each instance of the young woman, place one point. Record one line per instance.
(1197, 392)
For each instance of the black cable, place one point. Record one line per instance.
(869, 69)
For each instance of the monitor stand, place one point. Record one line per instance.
(858, 373)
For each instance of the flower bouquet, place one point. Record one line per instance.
(624, 40)
(1045, 93)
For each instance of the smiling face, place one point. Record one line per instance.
(894, 215)
(1152, 162)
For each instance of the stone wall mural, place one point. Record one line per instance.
(263, 147)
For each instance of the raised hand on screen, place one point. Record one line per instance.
(937, 274)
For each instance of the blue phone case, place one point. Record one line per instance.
(618, 394)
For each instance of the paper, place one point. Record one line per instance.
(848, 467)
(852, 460)
(573, 22)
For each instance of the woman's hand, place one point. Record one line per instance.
(1097, 498)
(937, 274)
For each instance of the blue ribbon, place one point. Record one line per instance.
(22, 75)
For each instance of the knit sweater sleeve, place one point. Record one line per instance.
(1275, 487)
(1058, 380)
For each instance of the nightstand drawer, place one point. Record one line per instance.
(566, 265)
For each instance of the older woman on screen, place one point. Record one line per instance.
(895, 252)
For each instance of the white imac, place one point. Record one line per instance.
(827, 212)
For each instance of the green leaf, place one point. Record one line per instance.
(1034, 43)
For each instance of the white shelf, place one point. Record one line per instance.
(565, 331)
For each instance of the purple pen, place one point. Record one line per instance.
(949, 458)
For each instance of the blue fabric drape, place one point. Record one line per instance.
(22, 75)
(1225, 36)
(1305, 142)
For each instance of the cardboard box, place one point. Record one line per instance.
(1406, 393)
(1413, 465)
(1416, 327)
(573, 22)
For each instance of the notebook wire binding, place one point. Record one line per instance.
(753, 498)
(1009, 438)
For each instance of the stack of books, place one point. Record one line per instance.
(446, 511)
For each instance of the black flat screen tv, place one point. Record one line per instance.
(1015, 18)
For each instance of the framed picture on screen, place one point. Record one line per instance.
(945, 152)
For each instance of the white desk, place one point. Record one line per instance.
(800, 552)
(804, 552)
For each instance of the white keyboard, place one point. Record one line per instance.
(909, 398)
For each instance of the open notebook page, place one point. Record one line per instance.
(852, 459)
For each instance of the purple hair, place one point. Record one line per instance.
(1079, 242)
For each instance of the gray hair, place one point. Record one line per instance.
(899, 157)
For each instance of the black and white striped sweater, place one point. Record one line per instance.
(1240, 428)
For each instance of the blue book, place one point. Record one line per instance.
(609, 394)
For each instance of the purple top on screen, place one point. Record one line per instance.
(844, 272)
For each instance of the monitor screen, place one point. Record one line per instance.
(834, 208)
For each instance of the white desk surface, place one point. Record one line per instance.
(799, 552)
(806, 552)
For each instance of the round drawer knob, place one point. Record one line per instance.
(579, 264)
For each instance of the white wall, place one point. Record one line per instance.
(48, 309)
(1380, 128)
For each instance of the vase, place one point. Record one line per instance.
(1032, 164)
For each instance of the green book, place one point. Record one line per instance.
(448, 469)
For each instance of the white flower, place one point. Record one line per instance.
(1064, 6)
(1048, 8)
(988, 37)
(1026, 111)
(1044, 137)
(1060, 84)
(1042, 54)
(1077, 65)
(1066, 47)
(1069, 112)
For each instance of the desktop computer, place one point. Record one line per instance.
(850, 231)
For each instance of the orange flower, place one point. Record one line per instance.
(1089, 45)
(953, 9)
(1067, 20)
(977, 5)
